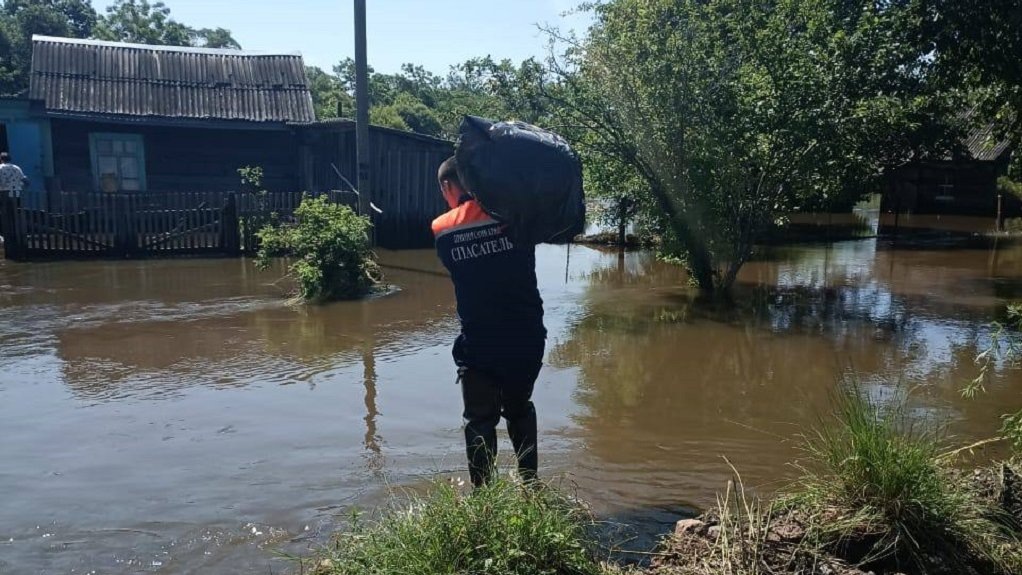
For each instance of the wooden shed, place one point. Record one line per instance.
(963, 183)
(403, 176)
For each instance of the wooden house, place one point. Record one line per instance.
(139, 118)
(158, 121)
(963, 183)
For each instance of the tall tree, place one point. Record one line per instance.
(140, 22)
(979, 50)
(734, 112)
(329, 98)
(414, 114)
(20, 19)
(414, 99)
(214, 38)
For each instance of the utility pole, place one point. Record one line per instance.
(362, 113)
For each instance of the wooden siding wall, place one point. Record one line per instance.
(404, 183)
(965, 189)
(182, 159)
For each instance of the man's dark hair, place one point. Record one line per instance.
(4, 157)
(449, 171)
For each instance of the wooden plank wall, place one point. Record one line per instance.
(182, 159)
(405, 189)
(948, 188)
(403, 179)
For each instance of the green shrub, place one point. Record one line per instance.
(875, 481)
(330, 246)
(500, 529)
(1006, 185)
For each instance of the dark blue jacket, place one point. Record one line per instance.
(499, 305)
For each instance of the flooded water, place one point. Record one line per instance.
(176, 416)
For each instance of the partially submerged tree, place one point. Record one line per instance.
(734, 112)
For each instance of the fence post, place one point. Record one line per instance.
(7, 228)
(1000, 212)
(230, 232)
(122, 225)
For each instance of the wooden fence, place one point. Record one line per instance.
(122, 225)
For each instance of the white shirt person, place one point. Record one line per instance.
(12, 179)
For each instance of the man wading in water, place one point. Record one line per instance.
(500, 350)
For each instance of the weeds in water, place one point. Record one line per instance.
(1005, 344)
(502, 528)
(876, 491)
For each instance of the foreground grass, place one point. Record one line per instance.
(877, 491)
(876, 494)
(503, 529)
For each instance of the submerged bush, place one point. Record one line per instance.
(877, 491)
(500, 529)
(1004, 344)
(330, 244)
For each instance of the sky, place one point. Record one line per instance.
(433, 33)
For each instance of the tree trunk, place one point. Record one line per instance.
(699, 260)
(622, 221)
(700, 263)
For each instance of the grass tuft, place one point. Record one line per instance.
(502, 528)
(744, 522)
(877, 493)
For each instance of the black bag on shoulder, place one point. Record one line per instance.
(525, 176)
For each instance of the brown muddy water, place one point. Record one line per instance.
(177, 417)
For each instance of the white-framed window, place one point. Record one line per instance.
(118, 162)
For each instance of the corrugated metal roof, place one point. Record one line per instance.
(112, 78)
(984, 146)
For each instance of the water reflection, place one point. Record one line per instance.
(199, 403)
(163, 347)
(372, 441)
(671, 382)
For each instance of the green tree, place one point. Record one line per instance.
(20, 19)
(414, 115)
(214, 38)
(140, 22)
(329, 98)
(414, 100)
(381, 86)
(734, 112)
(503, 89)
(979, 51)
(387, 117)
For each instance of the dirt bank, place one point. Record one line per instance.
(772, 539)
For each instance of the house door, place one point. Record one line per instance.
(25, 142)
